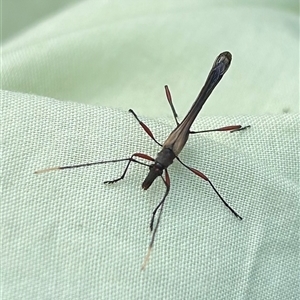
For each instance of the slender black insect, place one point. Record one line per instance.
(173, 145)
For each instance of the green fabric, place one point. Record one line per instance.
(65, 235)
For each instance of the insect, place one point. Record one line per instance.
(172, 146)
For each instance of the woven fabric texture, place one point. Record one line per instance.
(66, 235)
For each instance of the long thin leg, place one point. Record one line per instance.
(97, 163)
(161, 206)
(131, 159)
(232, 128)
(167, 183)
(239, 129)
(169, 97)
(200, 174)
(145, 127)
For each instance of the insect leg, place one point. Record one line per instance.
(161, 206)
(131, 159)
(169, 97)
(200, 174)
(232, 128)
(145, 127)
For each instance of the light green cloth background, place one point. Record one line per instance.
(64, 234)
